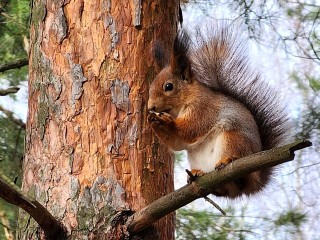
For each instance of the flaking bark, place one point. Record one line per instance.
(89, 151)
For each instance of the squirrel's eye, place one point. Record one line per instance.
(168, 87)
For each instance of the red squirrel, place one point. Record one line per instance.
(206, 100)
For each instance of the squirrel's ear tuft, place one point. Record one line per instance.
(180, 63)
(160, 55)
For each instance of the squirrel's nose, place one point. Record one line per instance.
(151, 106)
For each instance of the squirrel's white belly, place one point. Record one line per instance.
(205, 155)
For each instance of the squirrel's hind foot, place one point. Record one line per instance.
(224, 162)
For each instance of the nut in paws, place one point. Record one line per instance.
(161, 117)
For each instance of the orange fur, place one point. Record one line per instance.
(204, 102)
(197, 172)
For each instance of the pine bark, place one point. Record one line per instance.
(89, 151)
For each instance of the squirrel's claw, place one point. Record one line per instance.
(224, 162)
(193, 175)
(220, 166)
(152, 116)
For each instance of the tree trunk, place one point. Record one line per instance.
(89, 151)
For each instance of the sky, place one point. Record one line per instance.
(18, 106)
(288, 189)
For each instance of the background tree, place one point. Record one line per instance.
(13, 34)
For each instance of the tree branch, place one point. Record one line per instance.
(12, 194)
(15, 64)
(10, 115)
(165, 205)
(204, 185)
(4, 92)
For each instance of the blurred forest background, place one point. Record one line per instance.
(284, 44)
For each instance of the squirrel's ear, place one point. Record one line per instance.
(180, 63)
(160, 55)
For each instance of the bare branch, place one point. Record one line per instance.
(12, 194)
(215, 205)
(8, 113)
(12, 118)
(207, 183)
(15, 64)
(4, 92)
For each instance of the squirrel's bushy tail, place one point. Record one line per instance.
(219, 61)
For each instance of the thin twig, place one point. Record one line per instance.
(215, 205)
(191, 179)
(12, 118)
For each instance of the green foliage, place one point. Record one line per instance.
(11, 153)
(10, 214)
(14, 31)
(289, 224)
(13, 28)
(178, 156)
(205, 225)
(314, 83)
(308, 119)
(11, 147)
(290, 218)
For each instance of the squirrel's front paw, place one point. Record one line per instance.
(161, 117)
(152, 117)
(165, 117)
